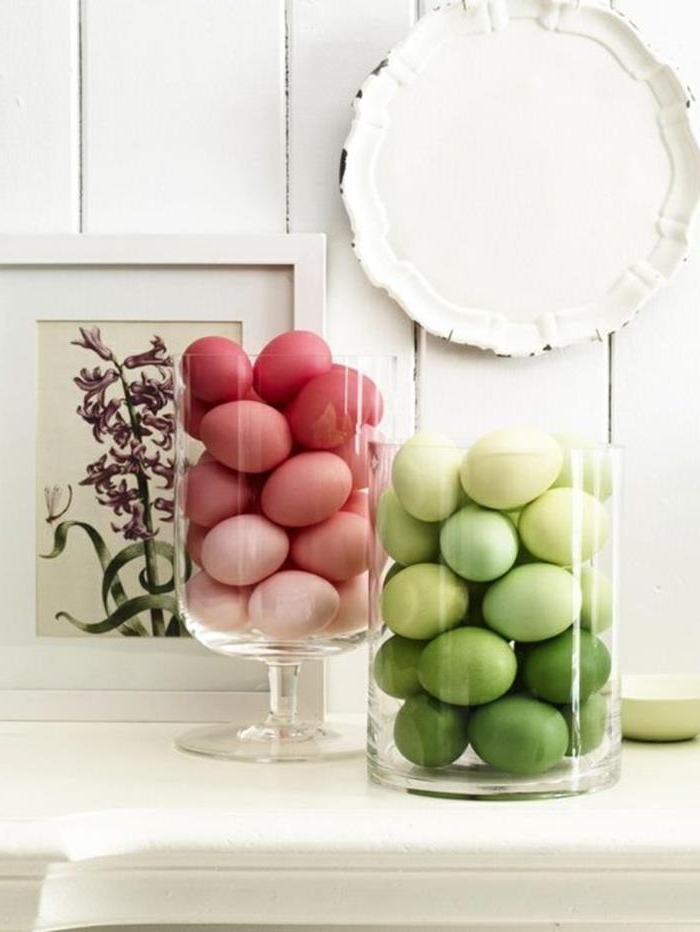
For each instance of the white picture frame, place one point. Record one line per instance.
(268, 284)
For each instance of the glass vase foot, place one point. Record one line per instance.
(270, 743)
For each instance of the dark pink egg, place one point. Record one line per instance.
(247, 435)
(287, 363)
(194, 411)
(212, 492)
(332, 407)
(292, 605)
(216, 607)
(242, 551)
(353, 611)
(336, 549)
(195, 537)
(306, 489)
(358, 503)
(217, 369)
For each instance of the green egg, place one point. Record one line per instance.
(507, 469)
(597, 606)
(519, 735)
(424, 600)
(393, 570)
(552, 669)
(532, 603)
(425, 475)
(586, 466)
(564, 526)
(468, 666)
(586, 733)
(406, 539)
(479, 544)
(395, 667)
(430, 734)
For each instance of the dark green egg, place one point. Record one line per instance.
(519, 735)
(396, 667)
(429, 733)
(588, 732)
(552, 668)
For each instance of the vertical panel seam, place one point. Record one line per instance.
(287, 118)
(81, 137)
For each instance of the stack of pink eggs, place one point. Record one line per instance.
(277, 503)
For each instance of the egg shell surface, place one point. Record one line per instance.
(242, 551)
(467, 666)
(332, 407)
(395, 667)
(194, 411)
(212, 493)
(287, 363)
(586, 466)
(306, 489)
(353, 611)
(532, 603)
(423, 601)
(406, 539)
(336, 549)
(587, 728)
(519, 735)
(426, 476)
(216, 369)
(506, 469)
(597, 607)
(357, 503)
(247, 435)
(554, 669)
(479, 544)
(355, 451)
(195, 539)
(215, 606)
(428, 733)
(292, 605)
(564, 526)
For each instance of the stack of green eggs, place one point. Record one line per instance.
(494, 607)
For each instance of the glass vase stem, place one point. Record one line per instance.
(284, 681)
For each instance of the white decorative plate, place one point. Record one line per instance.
(522, 174)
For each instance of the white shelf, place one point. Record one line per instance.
(107, 824)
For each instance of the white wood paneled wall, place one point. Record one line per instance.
(229, 116)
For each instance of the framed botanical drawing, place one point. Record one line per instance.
(88, 327)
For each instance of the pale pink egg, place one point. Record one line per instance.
(355, 452)
(353, 612)
(358, 503)
(293, 605)
(216, 369)
(332, 407)
(306, 489)
(288, 362)
(194, 411)
(195, 538)
(336, 549)
(212, 492)
(215, 606)
(243, 550)
(247, 435)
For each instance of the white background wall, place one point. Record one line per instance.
(229, 116)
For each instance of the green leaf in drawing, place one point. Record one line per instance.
(129, 610)
(136, 552)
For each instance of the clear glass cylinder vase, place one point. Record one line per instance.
(493, 620)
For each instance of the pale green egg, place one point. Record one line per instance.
(423, 601)
(467, 666)
(564, 526)
(507, 469)
(519, 735)
(586, 466)
(532, 603)
(479, 544)
(406, 539)
(597, 606)
(425, 475)
(428, 733)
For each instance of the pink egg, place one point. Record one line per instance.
(195, 538)
(243, 550)
(306, 489)
(358, 503)
(332, 407)
(355, 452)
(293, 605)
(217, 369)
(353, 612)
(337, 549)
(194, 411)
(216, 607)
(288, 362)
(212, 492)
(247, 435)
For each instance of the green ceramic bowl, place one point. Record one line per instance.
(661, 708)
